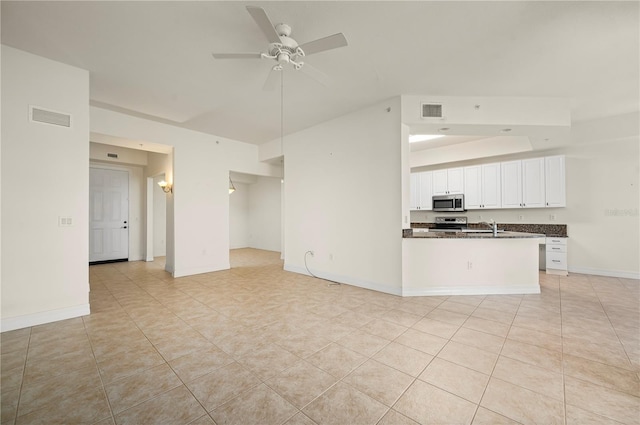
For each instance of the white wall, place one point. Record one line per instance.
(159, 218)
(100, 152)
(44, 266)
(198, 208)
(265, 211)
(160, 164)
(343, 198)
(603, 201)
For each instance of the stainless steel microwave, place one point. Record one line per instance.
(448, 203)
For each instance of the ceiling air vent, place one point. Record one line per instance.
(49, 117)
(431, 110)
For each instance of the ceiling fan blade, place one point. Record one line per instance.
(260, 16)
(316, 74)
(327, 43)
(237, 55)
(272, 80)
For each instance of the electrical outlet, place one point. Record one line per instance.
(65, 221)
(479, 217)
(552, 217)
(521, 217)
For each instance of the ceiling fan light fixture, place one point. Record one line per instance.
(284, 57)
(284, 49)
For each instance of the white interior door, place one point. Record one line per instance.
(108, 215)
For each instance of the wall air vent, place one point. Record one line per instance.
(49, 117)
(431, 110)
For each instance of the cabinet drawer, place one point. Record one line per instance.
(557, 260)
(556, 248)
(556, 241)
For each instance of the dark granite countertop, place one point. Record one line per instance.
(549, 230)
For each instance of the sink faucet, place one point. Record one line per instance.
(493, 225)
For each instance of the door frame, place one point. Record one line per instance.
(136, 228)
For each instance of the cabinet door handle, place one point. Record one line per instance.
(553, 247)
(556, 261)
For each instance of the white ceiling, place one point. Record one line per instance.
(154, 58)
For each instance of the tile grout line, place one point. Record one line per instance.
(24, 374)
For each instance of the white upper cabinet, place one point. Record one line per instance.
(473, 187)
(414, 194)
(421, 187)
(491, 196)
(533, 183)
(482, 186)
(449, 181)
(523, 183)
(426, 190)
(555, 181)
(511, 184)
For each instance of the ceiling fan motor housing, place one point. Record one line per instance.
(286, 51)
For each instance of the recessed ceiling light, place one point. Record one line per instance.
(414, 138)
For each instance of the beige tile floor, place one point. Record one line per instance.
(258, 345)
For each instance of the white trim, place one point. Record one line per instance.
(200, 270)
(127, 169)
(28, 320)
(149, 214)
(609, 273)
(474, 290)
(347, 280)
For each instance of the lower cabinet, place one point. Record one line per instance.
(557, 256)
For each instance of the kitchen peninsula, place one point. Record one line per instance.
(470, 263)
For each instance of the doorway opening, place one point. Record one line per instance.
(255, 216)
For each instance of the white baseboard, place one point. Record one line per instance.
(474, 290)
(28, 320)
(348, 280)
(199, 270)
(608, 273)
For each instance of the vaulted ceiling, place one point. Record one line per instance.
(154, 59)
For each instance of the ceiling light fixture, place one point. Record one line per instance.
(415, 138)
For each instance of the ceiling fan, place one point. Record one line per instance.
(285, 50)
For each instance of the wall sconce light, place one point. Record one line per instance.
(166, 187)
(232, 188)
